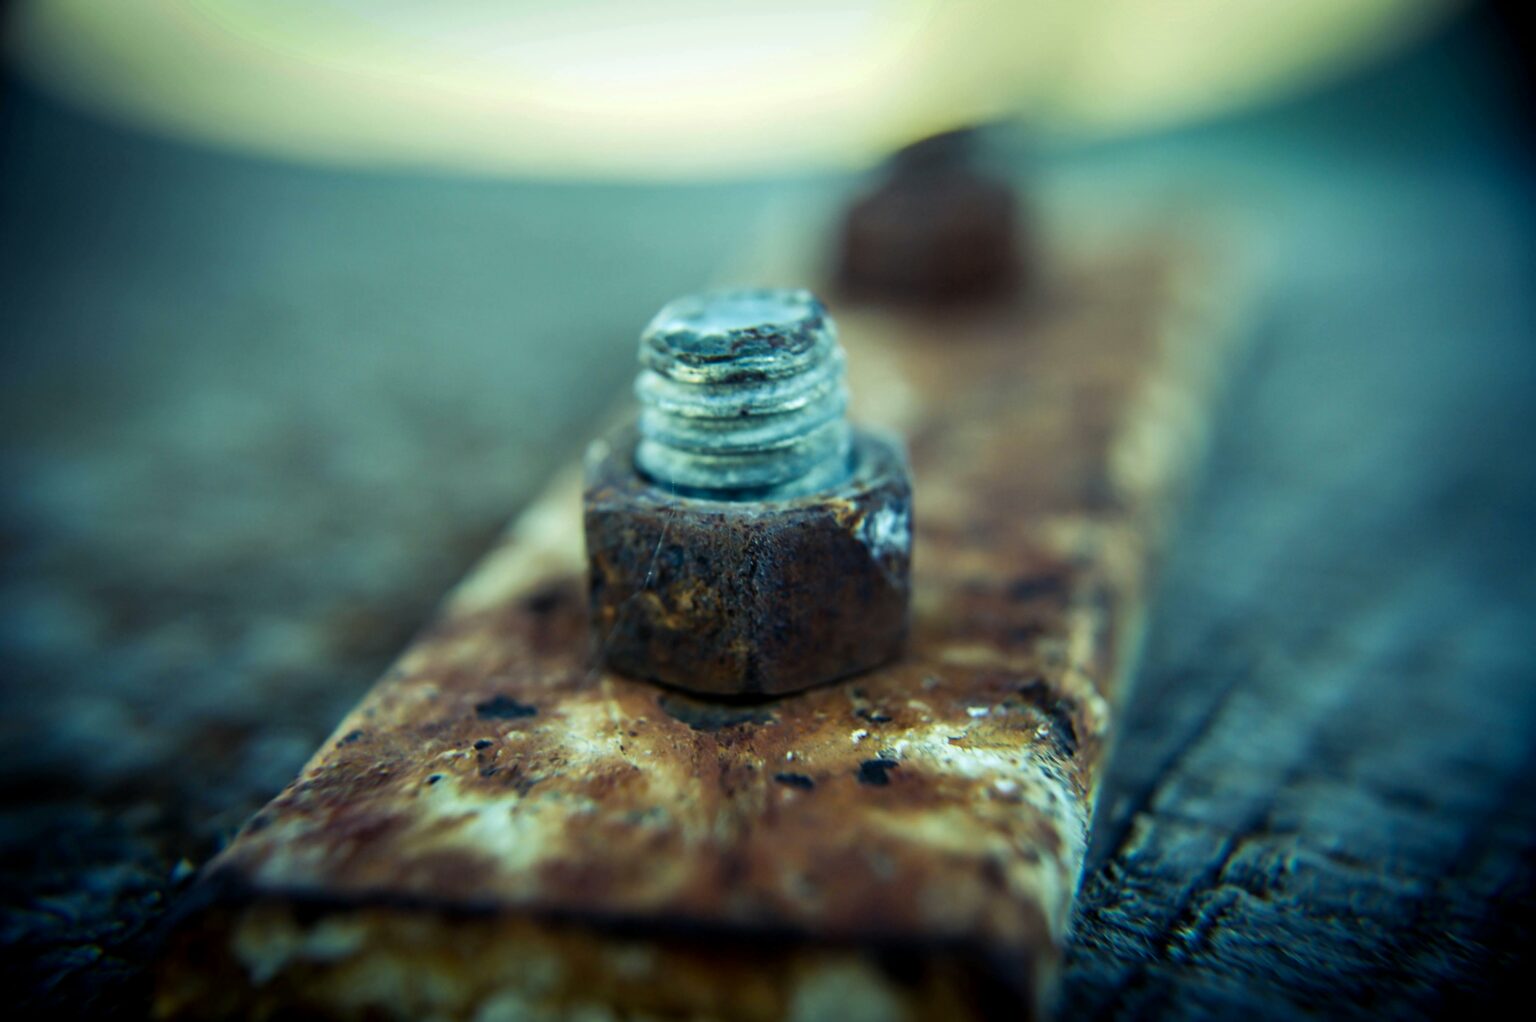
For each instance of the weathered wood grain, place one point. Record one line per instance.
(1324, 802)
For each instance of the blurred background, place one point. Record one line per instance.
(300, 301)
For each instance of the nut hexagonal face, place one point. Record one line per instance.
(748, 597)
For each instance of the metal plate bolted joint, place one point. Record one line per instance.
(742, 537)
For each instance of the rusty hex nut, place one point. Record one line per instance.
(750, 597)
(937, 230)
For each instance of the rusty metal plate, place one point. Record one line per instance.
(502, 830)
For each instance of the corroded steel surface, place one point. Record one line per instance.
(748, 597)
(529, 833)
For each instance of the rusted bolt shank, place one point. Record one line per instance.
(743, 538)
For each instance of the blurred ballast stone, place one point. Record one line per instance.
(503, 830)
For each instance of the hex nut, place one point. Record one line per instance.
(937, 230)
(748, 597)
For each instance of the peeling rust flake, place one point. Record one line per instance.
(502, 829)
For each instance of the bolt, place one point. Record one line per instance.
(742, 537)
(743, 396)
(937, 229)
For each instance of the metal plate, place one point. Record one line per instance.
(500, 827)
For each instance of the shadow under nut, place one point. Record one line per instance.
(748, 597)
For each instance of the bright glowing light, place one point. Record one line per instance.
(677, 87)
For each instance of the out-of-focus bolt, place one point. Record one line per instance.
(744, 539)
(936, 230)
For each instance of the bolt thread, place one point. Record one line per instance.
(743, 396)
